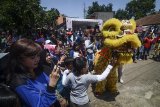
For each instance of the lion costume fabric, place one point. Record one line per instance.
(118, 36)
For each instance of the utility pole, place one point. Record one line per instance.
(84, 11)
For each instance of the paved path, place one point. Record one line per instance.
(141, 87)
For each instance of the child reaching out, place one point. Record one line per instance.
(79, 80)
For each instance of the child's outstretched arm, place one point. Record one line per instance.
(106, 71)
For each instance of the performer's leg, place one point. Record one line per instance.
(120, 72)
(100, 87)
(111, 81)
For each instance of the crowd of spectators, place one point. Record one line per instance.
(44, 58)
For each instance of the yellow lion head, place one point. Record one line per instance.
(119, 37)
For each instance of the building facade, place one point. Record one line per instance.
(102, 15)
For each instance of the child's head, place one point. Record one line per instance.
(80, 65)
(68, 62)
(7, 97)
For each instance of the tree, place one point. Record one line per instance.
(19, 14)
(5, 10)
(51, 17)
(137, 9)
(25, 16)
(98, 8)
(121, 14)
(140, 8)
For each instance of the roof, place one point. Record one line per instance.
(149, 20)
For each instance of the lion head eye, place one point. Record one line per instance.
(111, 28)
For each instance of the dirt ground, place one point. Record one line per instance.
(141, 87)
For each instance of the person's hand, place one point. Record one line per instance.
(80, 55)
(63, 102)
(115, 54)
(113, 61)
(114, 58)
(67, 71)
(62, 59)
(54, 76)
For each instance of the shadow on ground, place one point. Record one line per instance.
(106, 96)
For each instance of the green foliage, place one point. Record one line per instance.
(137, 9)
(121, 14)
(99, 8)
(140, 8)
(51, 16)
(25, 15)
(19, 14)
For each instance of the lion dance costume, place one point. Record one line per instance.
(118, 36)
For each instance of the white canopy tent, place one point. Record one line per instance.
(72, 23)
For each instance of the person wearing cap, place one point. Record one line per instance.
(48, 45)
(48, 42)
(41, 42)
